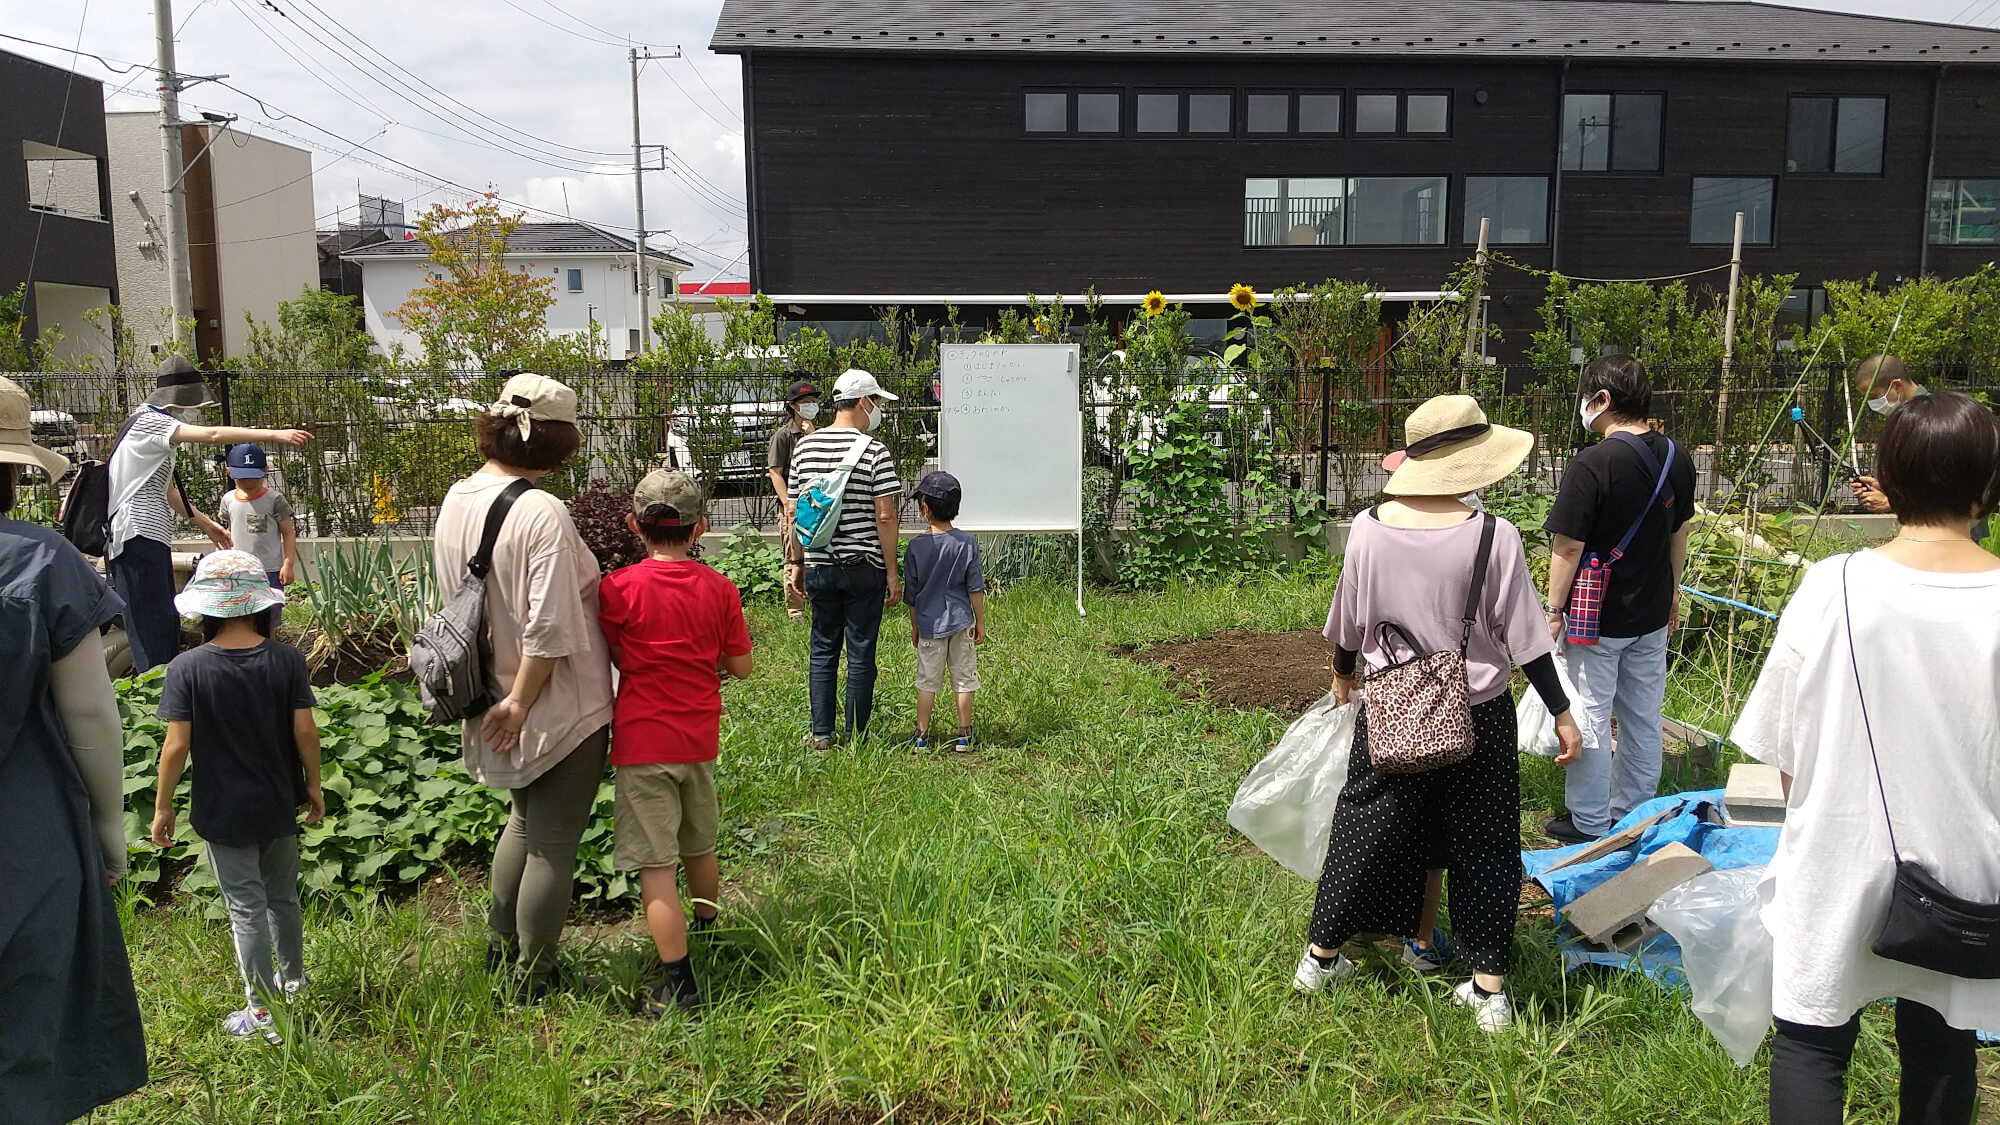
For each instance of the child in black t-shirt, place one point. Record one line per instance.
(246, 702)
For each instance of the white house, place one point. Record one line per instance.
(593, 271)
(250, 229)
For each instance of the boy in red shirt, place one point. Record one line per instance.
(672, 624)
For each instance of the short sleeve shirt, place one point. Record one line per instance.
(855, 538)
(247, 778)
(940, 575)
(780, 454)
(141, 468)
(671, 623)
(1605, 488)
(255, 525)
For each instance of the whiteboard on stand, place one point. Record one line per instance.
(1010, 428)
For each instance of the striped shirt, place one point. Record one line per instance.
(142, 466)
(855, 537)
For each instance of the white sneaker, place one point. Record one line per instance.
(1489, 1013)
(1311, 975)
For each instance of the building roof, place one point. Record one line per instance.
(1585, 29)
(529, 240)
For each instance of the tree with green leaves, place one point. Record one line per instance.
(472, 306)
(316, 331)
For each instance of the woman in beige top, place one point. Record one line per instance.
(545, 740)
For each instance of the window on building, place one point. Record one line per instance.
(575, 280)
(1801, 309)
(1267, 113)
(1319, 113)
(62, 181)
(1375, 113)
(1097, 113)
(1836, 135)
(1048, 113)
(1518, 206)
(632, 341)
(1159, 113)
(1427, 113)
(1345, 211)
(1965, 212)
(1716, 201)
(1209, 113)
(1611, 132)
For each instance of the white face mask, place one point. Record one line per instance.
(1880, 404)
(1589, 416)
(808, 411)
(874, 415)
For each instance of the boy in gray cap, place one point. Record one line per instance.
(947, 596)
(673, 624)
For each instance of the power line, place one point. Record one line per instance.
(561, 28)
(587, 23)
(719, 99)
(42, 217)
(696, 102)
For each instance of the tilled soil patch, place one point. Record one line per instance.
(1248, 669)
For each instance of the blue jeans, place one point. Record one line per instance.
(1626, 677)
(143, 574)
(847, 602)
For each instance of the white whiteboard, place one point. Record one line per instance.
(1010, 428)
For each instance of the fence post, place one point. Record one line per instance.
(1325, 428)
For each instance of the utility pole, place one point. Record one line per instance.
(172, 171)
(644, 276)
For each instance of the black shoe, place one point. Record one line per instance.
(665, 997)
(525, 990)
(1563, 830)
(501, 956)
(700, 925)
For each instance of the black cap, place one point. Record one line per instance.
(799, 390)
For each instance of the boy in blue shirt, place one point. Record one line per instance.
(947, 596)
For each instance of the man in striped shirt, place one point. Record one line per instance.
(853, 577)
(145, 496)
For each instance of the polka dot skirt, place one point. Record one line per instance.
(1389, 829)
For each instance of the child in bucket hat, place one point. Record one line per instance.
(245, 702)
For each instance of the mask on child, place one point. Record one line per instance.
(1880, 404)
(1589, 416)
(808, 411)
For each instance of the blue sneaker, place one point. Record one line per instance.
(1431, 958)
(920, 741)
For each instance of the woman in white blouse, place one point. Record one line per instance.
(1911, 630)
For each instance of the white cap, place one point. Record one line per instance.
(855, 384)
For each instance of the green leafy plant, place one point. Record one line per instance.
(756, 564)
(1185, 526)
(366, 601)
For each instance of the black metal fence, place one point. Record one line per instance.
(387, 447)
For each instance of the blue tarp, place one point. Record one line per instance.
(1693, 820)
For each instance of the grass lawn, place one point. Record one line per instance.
(1060, 927)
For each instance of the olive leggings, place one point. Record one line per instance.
(534, 866)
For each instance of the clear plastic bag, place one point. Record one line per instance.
(1716, 917)
(1535, 727)
(1285, 804)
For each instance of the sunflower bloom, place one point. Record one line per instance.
(1243, 297)
(1156, 303)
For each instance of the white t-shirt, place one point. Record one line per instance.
(142, 466)
(1929, 651)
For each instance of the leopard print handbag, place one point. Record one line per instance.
(1419, 709)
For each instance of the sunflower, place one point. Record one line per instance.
(1243, 297)
(1155, 303)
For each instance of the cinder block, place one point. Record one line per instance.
(1614, 915)
(1755, 796)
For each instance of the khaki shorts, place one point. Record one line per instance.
(955, 652)
(664, 811)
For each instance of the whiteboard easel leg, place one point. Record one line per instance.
(1079, 571)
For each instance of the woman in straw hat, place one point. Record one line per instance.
(71, 1039)
(1410, 562)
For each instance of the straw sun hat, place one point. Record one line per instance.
(17, 434)
(1451, 449)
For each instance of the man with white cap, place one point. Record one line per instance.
(145, 495)
(853, 577)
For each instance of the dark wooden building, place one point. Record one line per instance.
(912, 151)
(55, 233)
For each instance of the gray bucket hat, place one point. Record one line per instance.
(178, 383)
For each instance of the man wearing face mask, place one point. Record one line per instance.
(801, 410)
(1885, 384)
(849, 578)
(1613, 492)
(145, 495)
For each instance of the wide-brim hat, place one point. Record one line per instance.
(1451, 449)
(179, 383)
(228, 584)
(17, 434)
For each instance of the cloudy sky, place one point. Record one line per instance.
(420, 100)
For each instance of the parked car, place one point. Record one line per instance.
(56, 430)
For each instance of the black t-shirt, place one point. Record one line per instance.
(248, 781)
(1603, 491)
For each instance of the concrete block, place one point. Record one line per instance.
(1614, 915)
(1754, 797)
